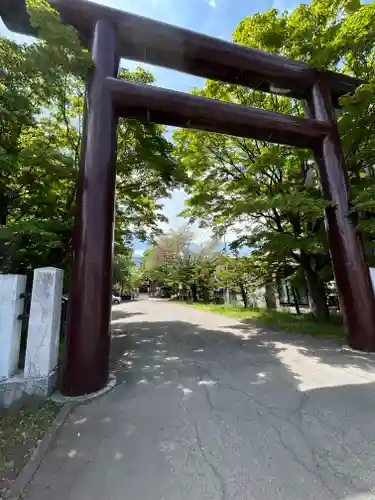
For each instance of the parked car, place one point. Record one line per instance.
(116, 299)
(126, 296)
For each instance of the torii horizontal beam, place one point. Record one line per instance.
(161, 44)
(169, 107)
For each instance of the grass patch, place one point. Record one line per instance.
(21, 428)
(289, 322)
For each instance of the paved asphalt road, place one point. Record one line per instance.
(208, 408)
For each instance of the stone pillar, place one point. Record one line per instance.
(11, 306)
(43, 337)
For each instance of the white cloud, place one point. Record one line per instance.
(212, 3)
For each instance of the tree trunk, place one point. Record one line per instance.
(206, 295)
(316, 290)
(270, 294)
(244, 296)
(295, 300)
(194, 292)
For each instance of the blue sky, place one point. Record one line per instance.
(217, 18)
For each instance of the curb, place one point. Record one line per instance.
(57, 397)
(28, 472)
(350, 350)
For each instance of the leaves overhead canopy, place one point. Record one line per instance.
(271, 193)
(41, 114)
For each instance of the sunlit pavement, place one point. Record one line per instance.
(210, 408)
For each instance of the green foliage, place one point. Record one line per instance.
(174, 261)
(236, 272)
(201, 272)
(126, 276)
(42, 96)
(340, 36)
(270, 194)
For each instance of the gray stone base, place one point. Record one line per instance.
(43, 386)
(13, 389)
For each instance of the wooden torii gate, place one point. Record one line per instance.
(114, 34)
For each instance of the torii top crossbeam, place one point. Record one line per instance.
(154, 42)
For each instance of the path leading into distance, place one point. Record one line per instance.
(209, 408)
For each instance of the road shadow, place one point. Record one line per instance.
(237, 411)
(245, 340)
(176, 348)
(117, 314)
(319, 412)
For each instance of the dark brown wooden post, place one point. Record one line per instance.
(86, 364)
(350, 269)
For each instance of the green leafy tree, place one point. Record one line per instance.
(250, 276)
(126, 276)
(36, 169)
(271, 192)
(167, 261)
(240, 182)
(339, 36)
(175, 261)
(42, 102)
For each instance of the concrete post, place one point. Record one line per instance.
(44, 330)
(11, 306)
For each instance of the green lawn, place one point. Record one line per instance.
(305, 323)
